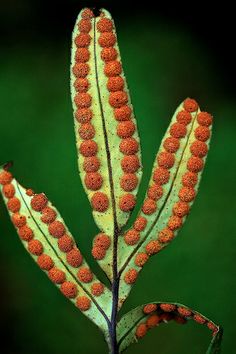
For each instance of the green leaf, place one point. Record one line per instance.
(105, 127)
(174, 185)
(136, 323)
(46, 237)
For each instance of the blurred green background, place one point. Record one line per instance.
(167, 55)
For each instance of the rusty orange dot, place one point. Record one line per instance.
(83, 303)
(129, 182)
(141, 330)
(184, 117)
(131, 276)
(14, 204)
(83, 115)
(149, 206)
(171, 144)
(179, 319)
(189, 179)
(56, 275)
(80, 70)
(166, 317)
(153, 247)
(35, 247)
(118, 99)
(18, 220)
(123, 113)
(161, 175)
(131, 237)
(74, 257)
(174, 223)
(104, 25)
(69, 289)
(166, 159)
(141, 259)
(88, 148)
(195, 164)
(56, 229)
(115, 83)
(168, 307)
(199, 148)
(127, 202)
(155, 192)
(183, 311)
(48, 215)
(93, 180)
(83, 100)
(212, 326)
(39, 202)
(84, 25)
(166, 235)
(129, 146)
(199, 319)
(87, 13)
(100, 202)
(85, 275)
(187, 194)
(190, 105)
(98, 252)
(113, 68)
(181, 209)
(204, 118)
(65, 243)
(107, 39)
(202, 133)
(5, 177)
(25, 233)
(81, 85)
(125, 129)
(102, 240)
(149, 308)
(97, 289)
(29, 192)
(109, 54)
(82, 55)
(45, 262)
(86, 131)
(130, 163)
(178, 130)
(8, 190)
(82, 40)
(91, 164)
(152, 321)
(140, 223)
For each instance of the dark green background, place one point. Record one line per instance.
(168, 54)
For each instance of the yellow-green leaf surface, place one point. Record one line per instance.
(96, 63)
(136, 323)
(66, 261)
(165, 219)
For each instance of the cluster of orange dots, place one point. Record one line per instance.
(100, 246)
(161, 175)
(118, 99)
(195, 164)
(158, 313)
(88, 147)
(56, 228)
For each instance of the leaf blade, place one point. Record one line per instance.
(53, 248)
(163, 224)
(138, 321)
(112, 113)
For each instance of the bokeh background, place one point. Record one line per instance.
(168, 54)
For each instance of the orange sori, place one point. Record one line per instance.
(118, 99)
(195, 164)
